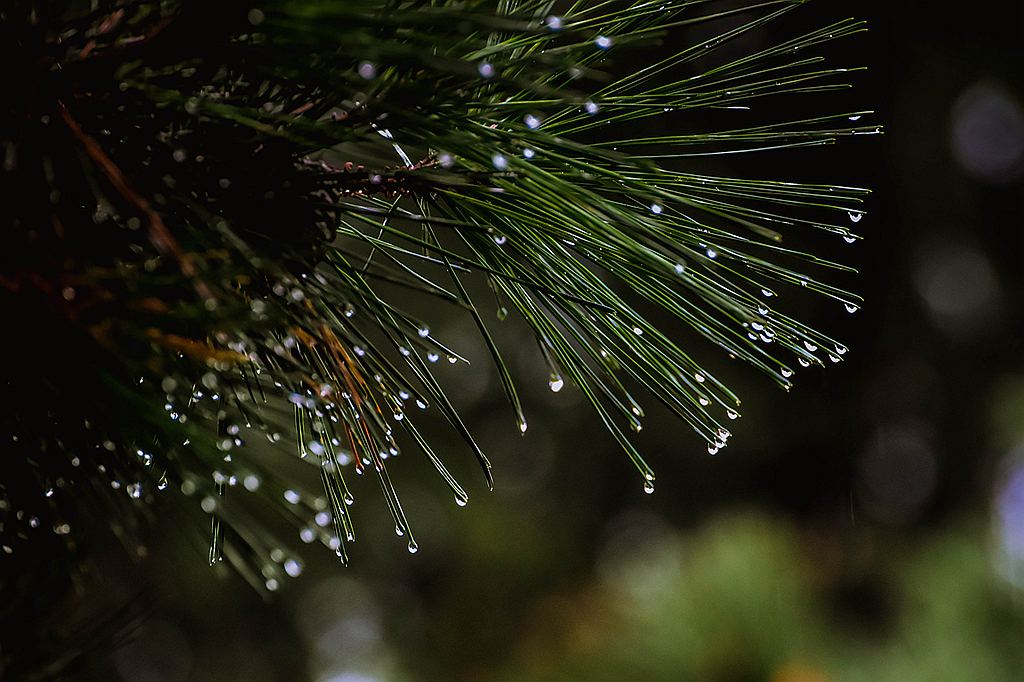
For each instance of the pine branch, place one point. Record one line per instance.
(214, 207)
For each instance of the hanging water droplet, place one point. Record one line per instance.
(680, 268)
(842, 350)
(732, 414)
(804, 362)
(424, 332)
(603, 42)
(555, 383)
(554, 23)
(522, 426)
(849, 238)
(413, 547)
(399, 531)
(649, 487)
(713, 448)
(502, 313)
(531, 121)
(485, 69)
(703, 401)
(851, 307)
(787, 372)
(855, 216)
(461, 501)
(591, 107)
(833, 358)
(810, 346)
(307, 535)
(292, 496)
(699, 377)
(293, 568)
(432, 357)
(767, 293)
(499, 162)
(712, 254)
(656, 209)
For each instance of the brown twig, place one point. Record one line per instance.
(159, 235)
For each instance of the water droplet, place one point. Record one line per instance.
(680, 268)
(649, 487)
(656, 209)
(767, 293)
(712, 254)
(413, 547)
(554, 23)
(804, 362)
(485, 69)
(855, 216)
(501, 313)
(499, 162)
(307, 535)
(461, 501)
(292, 497)
(529, 153)
(842, 350)
(810, 346)
(424, 332)
(272, 584)
(399, 531)
(531, 121)
(699, 377)
(367, 70)
(591, 107)
(348, 498)
(849, 238)
(703, 401)
(522, 426)
(603, 42)
(851, 307)
(786, 372)
(293, 568)
(713, 448)
(732, 414)
(555, 383)
(432, 357)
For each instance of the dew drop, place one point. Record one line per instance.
(851, 307)
(413, 547)
(855, 217)
(603, 42)
(293, 568)
(461, 501)
(649, 487)
(556, 383)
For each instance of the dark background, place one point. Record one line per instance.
(868, 525)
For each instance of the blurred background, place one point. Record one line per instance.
(867, 526)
